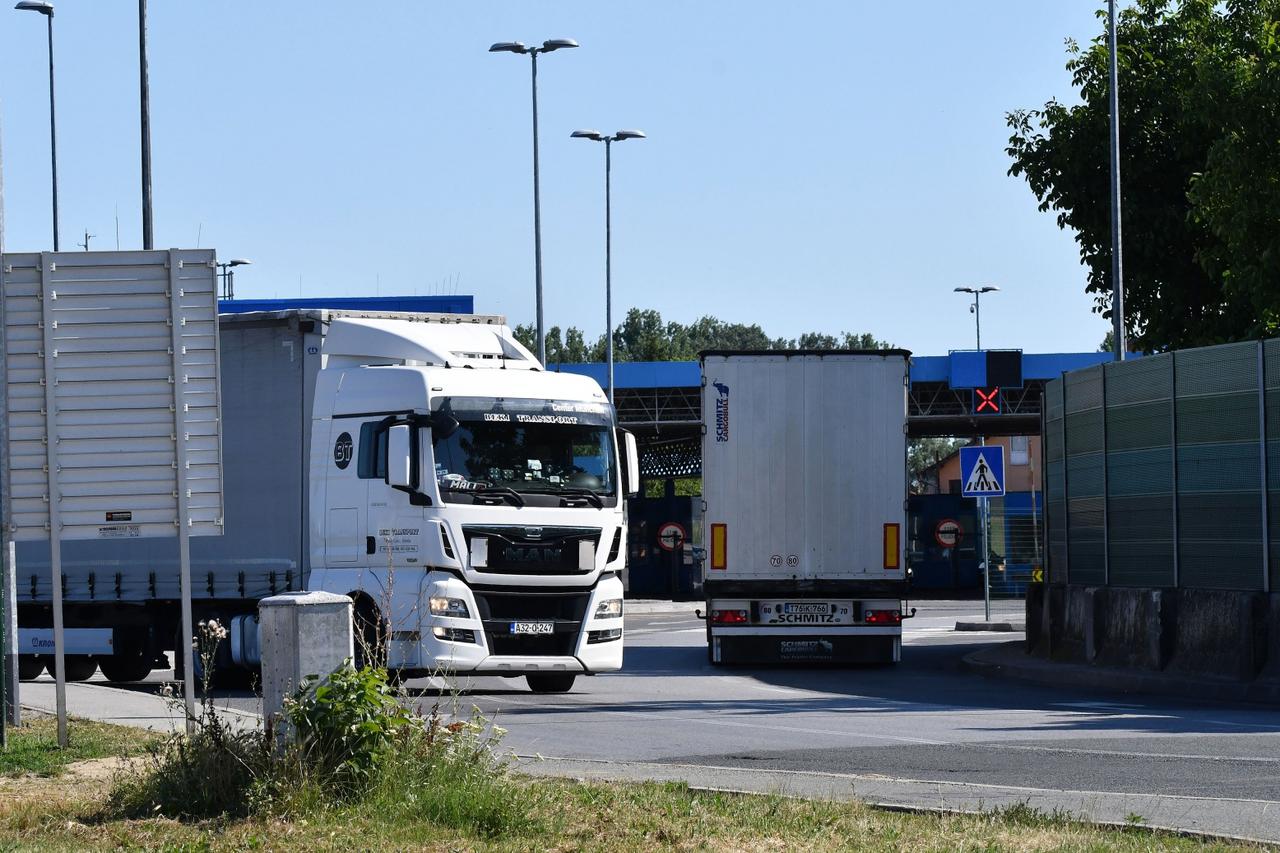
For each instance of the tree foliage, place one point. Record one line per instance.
(644, 336)
(1200, 168)
(923, 454)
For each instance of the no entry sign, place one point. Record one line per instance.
(671, 536)
(948, 533)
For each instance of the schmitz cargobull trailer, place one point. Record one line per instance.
(805, 482)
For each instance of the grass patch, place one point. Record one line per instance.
(567, 816)
(33, 746)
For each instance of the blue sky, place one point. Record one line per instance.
(829, 166)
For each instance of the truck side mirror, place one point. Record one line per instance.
(632, 464)
(400, 456)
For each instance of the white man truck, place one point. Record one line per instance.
(471, 503)
(805, 489)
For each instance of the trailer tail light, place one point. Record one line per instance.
(730, 617)
(892, 547)
(882, 617)
(719, 545)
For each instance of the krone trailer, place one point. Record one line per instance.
(805, 488)
(470, 503)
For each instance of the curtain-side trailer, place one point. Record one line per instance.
(470, 502)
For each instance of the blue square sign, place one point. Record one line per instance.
(982, 471)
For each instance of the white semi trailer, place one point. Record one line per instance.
(805, 485)
(471, 503)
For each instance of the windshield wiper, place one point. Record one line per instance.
(572, 491)
(590, 494)
(500, 491)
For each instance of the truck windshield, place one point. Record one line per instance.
(526, 446)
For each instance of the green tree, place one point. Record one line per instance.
(644, 336)
(1199, 161)
(923, 454)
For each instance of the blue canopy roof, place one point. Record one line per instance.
(924, 368)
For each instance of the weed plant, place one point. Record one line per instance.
(349, 742)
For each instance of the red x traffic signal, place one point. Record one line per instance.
(986, 401)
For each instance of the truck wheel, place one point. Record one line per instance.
(30, 667)
(80, 667)
(125, 667)
(550, 682)
(371, 634)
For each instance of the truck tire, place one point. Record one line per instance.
(370, 632)
(548, 682)
(30, 667)
(125, 667)
(80, 667)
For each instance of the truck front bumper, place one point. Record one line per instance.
(486, 642)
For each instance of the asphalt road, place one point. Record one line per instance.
(924, 718)
(924, 732)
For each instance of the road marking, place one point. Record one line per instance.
(732, 724)
(1121, 753)
(876, 777)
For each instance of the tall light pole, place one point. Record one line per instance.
(229, 276)
(547, 47)
(984, 509)
(144, 86)
(46, 9)
(976, 308)
(597, 136)
(1119, 344)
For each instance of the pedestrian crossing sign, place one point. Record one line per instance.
(982, 471)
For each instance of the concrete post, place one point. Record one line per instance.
(303, 633)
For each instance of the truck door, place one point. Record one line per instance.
(344, 498)
(394, 519)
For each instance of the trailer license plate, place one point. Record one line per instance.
(533, 627)
(806, 613)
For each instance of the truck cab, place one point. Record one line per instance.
(471, 503)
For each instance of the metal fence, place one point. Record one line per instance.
(1164, 471)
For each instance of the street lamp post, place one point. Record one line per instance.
(596, 136)
(976, 308)
(547, 47)
(984, 509)
(1119, 344)
(46, 9)
(144, 102)
(229, 276)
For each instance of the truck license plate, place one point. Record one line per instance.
(806, 612)
(533, 627)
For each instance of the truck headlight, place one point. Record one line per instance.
(609, 609)
(449, 607)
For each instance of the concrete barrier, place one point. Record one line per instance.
(1133, 627)
(1036, 622)
(1181, 634)
(1220, 632)
(1073, 627)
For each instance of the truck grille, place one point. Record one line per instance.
(499, 609)
(520, 550)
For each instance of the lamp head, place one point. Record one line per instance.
(629, 134)
(36, 6)
(586, 134)
(508, 47)
(238, 262)
(556, 44)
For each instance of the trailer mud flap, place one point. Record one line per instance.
(807, 649)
